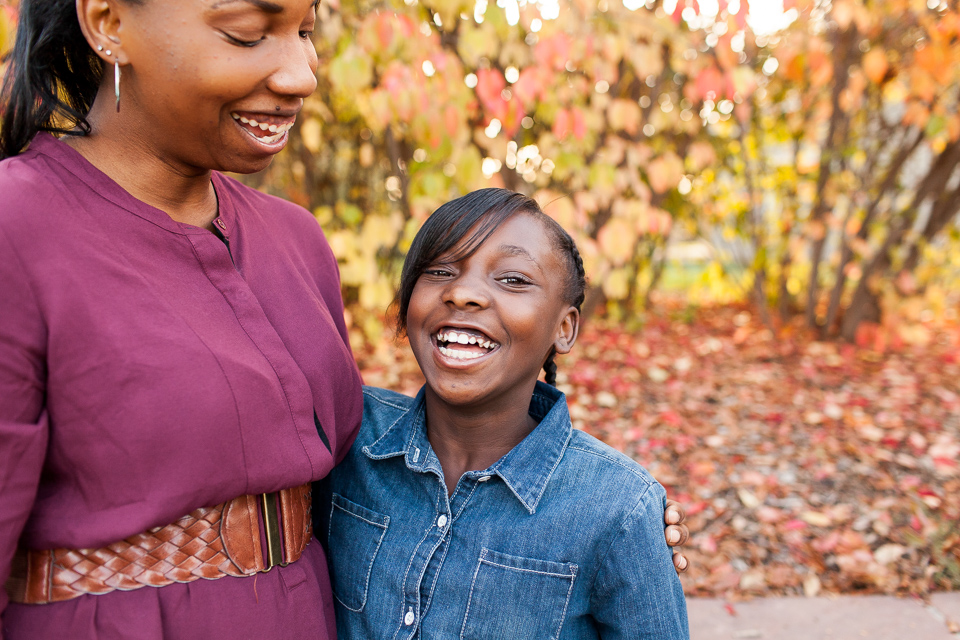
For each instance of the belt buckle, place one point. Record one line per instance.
(271, 526)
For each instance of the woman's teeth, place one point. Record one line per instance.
(276, 129)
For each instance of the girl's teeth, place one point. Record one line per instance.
(263, 126)
(254, 123)
(452, 337)
(463, 338)
(459, 355)
(272, 128)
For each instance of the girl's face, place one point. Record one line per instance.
(482, 328)
(201, 72)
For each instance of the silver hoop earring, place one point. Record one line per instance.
(116, 82)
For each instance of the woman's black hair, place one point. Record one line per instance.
(52, 75)
(458, 228)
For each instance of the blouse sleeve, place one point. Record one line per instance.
(23, 418)
(637, 594)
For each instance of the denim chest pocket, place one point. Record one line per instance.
(355, 536)
(517, 598)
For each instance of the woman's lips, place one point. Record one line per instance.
(263, 129)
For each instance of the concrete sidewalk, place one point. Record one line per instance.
(826, 618)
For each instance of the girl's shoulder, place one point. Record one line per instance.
(606, 484)
(586, 450)
(382, 408)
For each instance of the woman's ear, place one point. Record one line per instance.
(567, 331)
(100, 22)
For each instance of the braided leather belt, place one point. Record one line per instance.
(209, 543)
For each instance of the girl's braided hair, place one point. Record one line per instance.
(576, 285)
(467, 222)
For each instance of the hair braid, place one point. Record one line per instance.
(575, 287)
(550, 369)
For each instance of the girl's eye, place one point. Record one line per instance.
(437, 272)
(514, 280)
(243, 43)
(306, 35)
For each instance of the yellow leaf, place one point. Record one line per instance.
(376, 295)
(815, 518)
(617, 239)
(311, 134)
(616, 284)
(665, 172)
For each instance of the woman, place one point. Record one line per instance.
(171, 342)
(169, 339)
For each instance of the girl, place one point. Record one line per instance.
(474, 510)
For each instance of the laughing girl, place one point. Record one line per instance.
(475, 510)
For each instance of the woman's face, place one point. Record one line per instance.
(216, 84)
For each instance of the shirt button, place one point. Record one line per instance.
(221, 224)
(409, 618)
(483, 479)
(442, 521)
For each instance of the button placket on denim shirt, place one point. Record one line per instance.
(427, 558)
(448, 509)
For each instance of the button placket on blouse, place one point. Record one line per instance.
(217, 260)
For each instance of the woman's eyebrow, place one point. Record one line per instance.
(263, 5)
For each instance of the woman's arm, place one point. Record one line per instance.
(23, 419)
(636, 592)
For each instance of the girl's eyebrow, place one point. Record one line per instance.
(263, 5)
(514, 250)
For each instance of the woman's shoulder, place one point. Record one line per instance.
(30, 185)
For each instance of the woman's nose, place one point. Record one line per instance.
(296, 71)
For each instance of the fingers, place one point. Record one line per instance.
(674, 513)
(677, 534)
(680, 562)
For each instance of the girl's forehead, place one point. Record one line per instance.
(481, 235)
(519, 235)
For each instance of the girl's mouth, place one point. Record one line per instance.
(464, 344)
(265, 132)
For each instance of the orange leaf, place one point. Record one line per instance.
(875, 65)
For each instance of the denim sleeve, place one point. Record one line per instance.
(637, 593)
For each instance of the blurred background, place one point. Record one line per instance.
(765, 195)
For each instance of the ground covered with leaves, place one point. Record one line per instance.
(804, 466)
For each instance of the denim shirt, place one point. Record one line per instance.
(562, 538)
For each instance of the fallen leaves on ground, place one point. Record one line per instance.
(805, 467)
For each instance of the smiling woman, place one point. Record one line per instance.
(174, 367)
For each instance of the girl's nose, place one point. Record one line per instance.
(466, 293)
(296, 70)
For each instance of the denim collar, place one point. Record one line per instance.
(526, 469)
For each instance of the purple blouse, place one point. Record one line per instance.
(148, 368)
